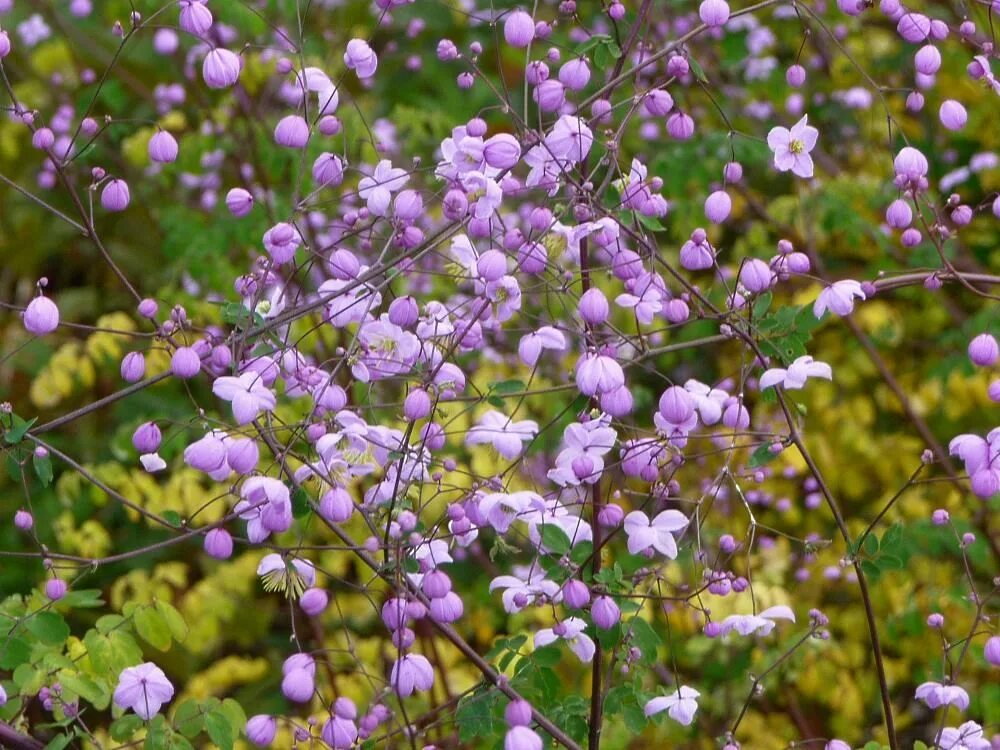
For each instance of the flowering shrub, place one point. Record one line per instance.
(454, 375)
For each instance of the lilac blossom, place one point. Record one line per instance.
(680, 705)
(506, 436)
(791, 147)
(762, 623)
(248, 395)
(658, 533)
(569, 630)
(797, 373)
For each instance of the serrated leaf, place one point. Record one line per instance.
(152, 628)
(547, 656)
(87, 688)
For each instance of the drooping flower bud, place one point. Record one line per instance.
(115, 195)
(519, 29)
(218, 544)
(221, 68)
(41, 316)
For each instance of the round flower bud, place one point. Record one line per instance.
(961, 215)
(756, 276)
(899, 214)
(953, 115)
(218, 544)
(417, 405)
(550, 95)
(146, 437)
(4, 44)
(910, 163)
(576, 594)
(221, 68)
(605, 612)
(713, 13)
(261, 729)
(163, 146)
(313, 601)
(994, 391)
(575, 74)
(680, 126)
(732, 172)
(42, 139)
(795, 75)
(55, 589)
(502, 151)
(658, 103)
(336, 505)
(115, 195)
(41, 316)
(992, 650)
(676, 405)
(984, 350)
(935, 620)
(23, 520)
(239, 202)
(519, 29)
(914, 27)
(298, 685)
(717, 206)
(610, 516)
(927, 60)
(242, 455)
(328, 169)
(940, 517)
(492, 265)
(133, 368)
(914, 101)
(910, 237)
(185, 362)
(292, 131)
(517, 713)
(195, 18)
(594, 308)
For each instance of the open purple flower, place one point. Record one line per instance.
(680, 705)
(791, 147)
(143, 688)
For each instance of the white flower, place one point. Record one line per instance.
(570, 630)
(658, 533)
(763, 623)
(795, 376)
(680, 705)
(505, 436)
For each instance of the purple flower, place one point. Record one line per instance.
(796, 374)
(261, 729)
(41, 316)
(546, 337)
(377, 190)
(838, 297)
(522, 738)
(146, 437)
(163, 146)
(953, 115)
(984, 351)
(195, 18)
(713, 13)
(762, 623)
(756, 276)
(507, 437)
(935, 695)
(522, 591)
(221, 68)
(791, 147)
(360, 58)
(218, 544)
(143, 688)
(248, 394)
(266, 506)
(680, 705)
(569, 630)
(967, 736)
(575, 74)
(519, 29)
(598, 374)
(991, 651)
(582, 456)
(55, 589)
(605, 613)
(658, 533)
(412, 672)
(718, 205)
(502, 151)
(239, 202)
(115, 195)
(340, 732)
(292, 131)
(185, 362)
(982, 461)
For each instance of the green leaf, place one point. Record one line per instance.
(175, 621)
(107, 623)
(18, 429)
(646, 639)
(189, 719)
(83, 599)
(122, 729)
(547, 656)
(698, 71)
(236, 715)
(870, 545)
(14, 652)
(761, 456)
(300, 503)
(507, 387)
(582, 552)
(48, 627)
(172, 517)
(43, 468)
(152, 628)
(554, 539)
(60, 741)
(87, 688)
(635, 718)
(219, 729)
(761, 304)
